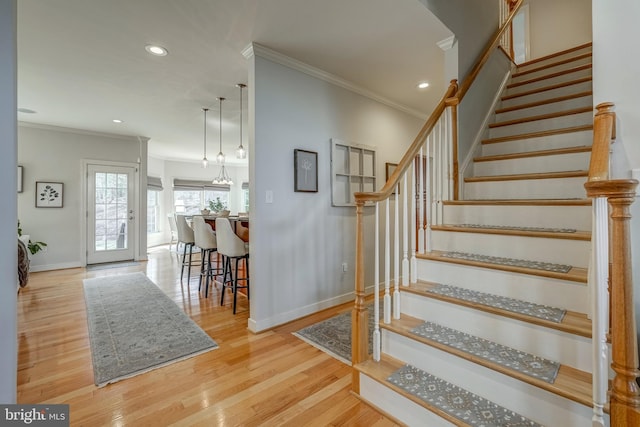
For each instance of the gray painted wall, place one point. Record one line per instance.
(56, 154)
(299, 242)
(472, 22)
(8, 176)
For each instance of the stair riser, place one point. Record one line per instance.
(557, 163)
(403, 409)
(563, 78)
(578, 217)
(554, 188)
(570, 104)
(532, 402)
(551, 70)
(547, 94)
(563, 140)
(572, 296)
(543, 125)
(555, 59)
(558, 251)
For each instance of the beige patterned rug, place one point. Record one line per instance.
(134, 328)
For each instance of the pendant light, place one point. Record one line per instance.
(241, 153)
(205, 162)
(223, 177)
(220, 156)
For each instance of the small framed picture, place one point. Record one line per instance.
(389, 168)
(305, 171)
(48, 194)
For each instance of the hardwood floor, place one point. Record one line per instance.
(269, 379)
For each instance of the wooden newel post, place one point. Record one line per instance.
(625, 394)
(359, 316)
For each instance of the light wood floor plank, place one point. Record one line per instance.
(266, 379)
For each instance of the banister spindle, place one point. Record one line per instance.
(405, 231)
(387, 266)
(376, 287)
(414, 260)
(396, 256)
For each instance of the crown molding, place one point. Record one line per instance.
(446, 44)
(255, 49)
(43, 126)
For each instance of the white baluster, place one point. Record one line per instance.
(428, 194)
(396, 256)
(414, 261)
(405, 231)
(600, 308)
(387, 266)
(421, 202)
(376, 289)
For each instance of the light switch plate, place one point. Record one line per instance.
(268, 196)
(635, 174)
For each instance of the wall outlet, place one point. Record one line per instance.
(344, 267)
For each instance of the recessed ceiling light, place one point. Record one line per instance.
(423, 85)
(26, 111)
(156, 50)
(117, 121)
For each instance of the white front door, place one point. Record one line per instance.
(110, 213)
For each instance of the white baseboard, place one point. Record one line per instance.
(61, 266)
(257, 326)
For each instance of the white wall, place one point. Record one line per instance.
(299, 242)
(616, 68)
(559, 25)
(56, 154)
(8, 151)
(472, 22)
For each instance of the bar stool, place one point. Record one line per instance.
(205, 239)
(185, 236)
(231, 247)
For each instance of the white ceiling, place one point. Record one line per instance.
(82, 63)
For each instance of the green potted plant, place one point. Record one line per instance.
(34, 247)
(217, 206)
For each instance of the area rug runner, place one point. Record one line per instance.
(467, 407)
(512, 262)
(540, 311)
(508, 227)
(534, 366)
(333, 336)
(134, 328)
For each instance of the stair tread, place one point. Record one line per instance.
(555, 54)
(551, 75)
(547, 88)
(524, 176)
(516, 231)
(537, 134)
(384, 370)
(553, 64)
(519, 202)
(569, 382)
(541, 117)
(539, 153)
(544, 102)
(575, 274)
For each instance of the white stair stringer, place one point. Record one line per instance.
(546, 108)
(563, 347)
(571, 120)
(557, 251)
(519, 215)
(573, 296)
(549, 188)
(537, 143)
(534, 164)
(532, 402)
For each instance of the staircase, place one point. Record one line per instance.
(495, 331)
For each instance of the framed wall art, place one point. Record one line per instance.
(305, 171)
(48, 194)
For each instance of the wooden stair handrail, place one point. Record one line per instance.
(620, 194)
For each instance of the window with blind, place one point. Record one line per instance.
(191, 196)
(154, 187)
